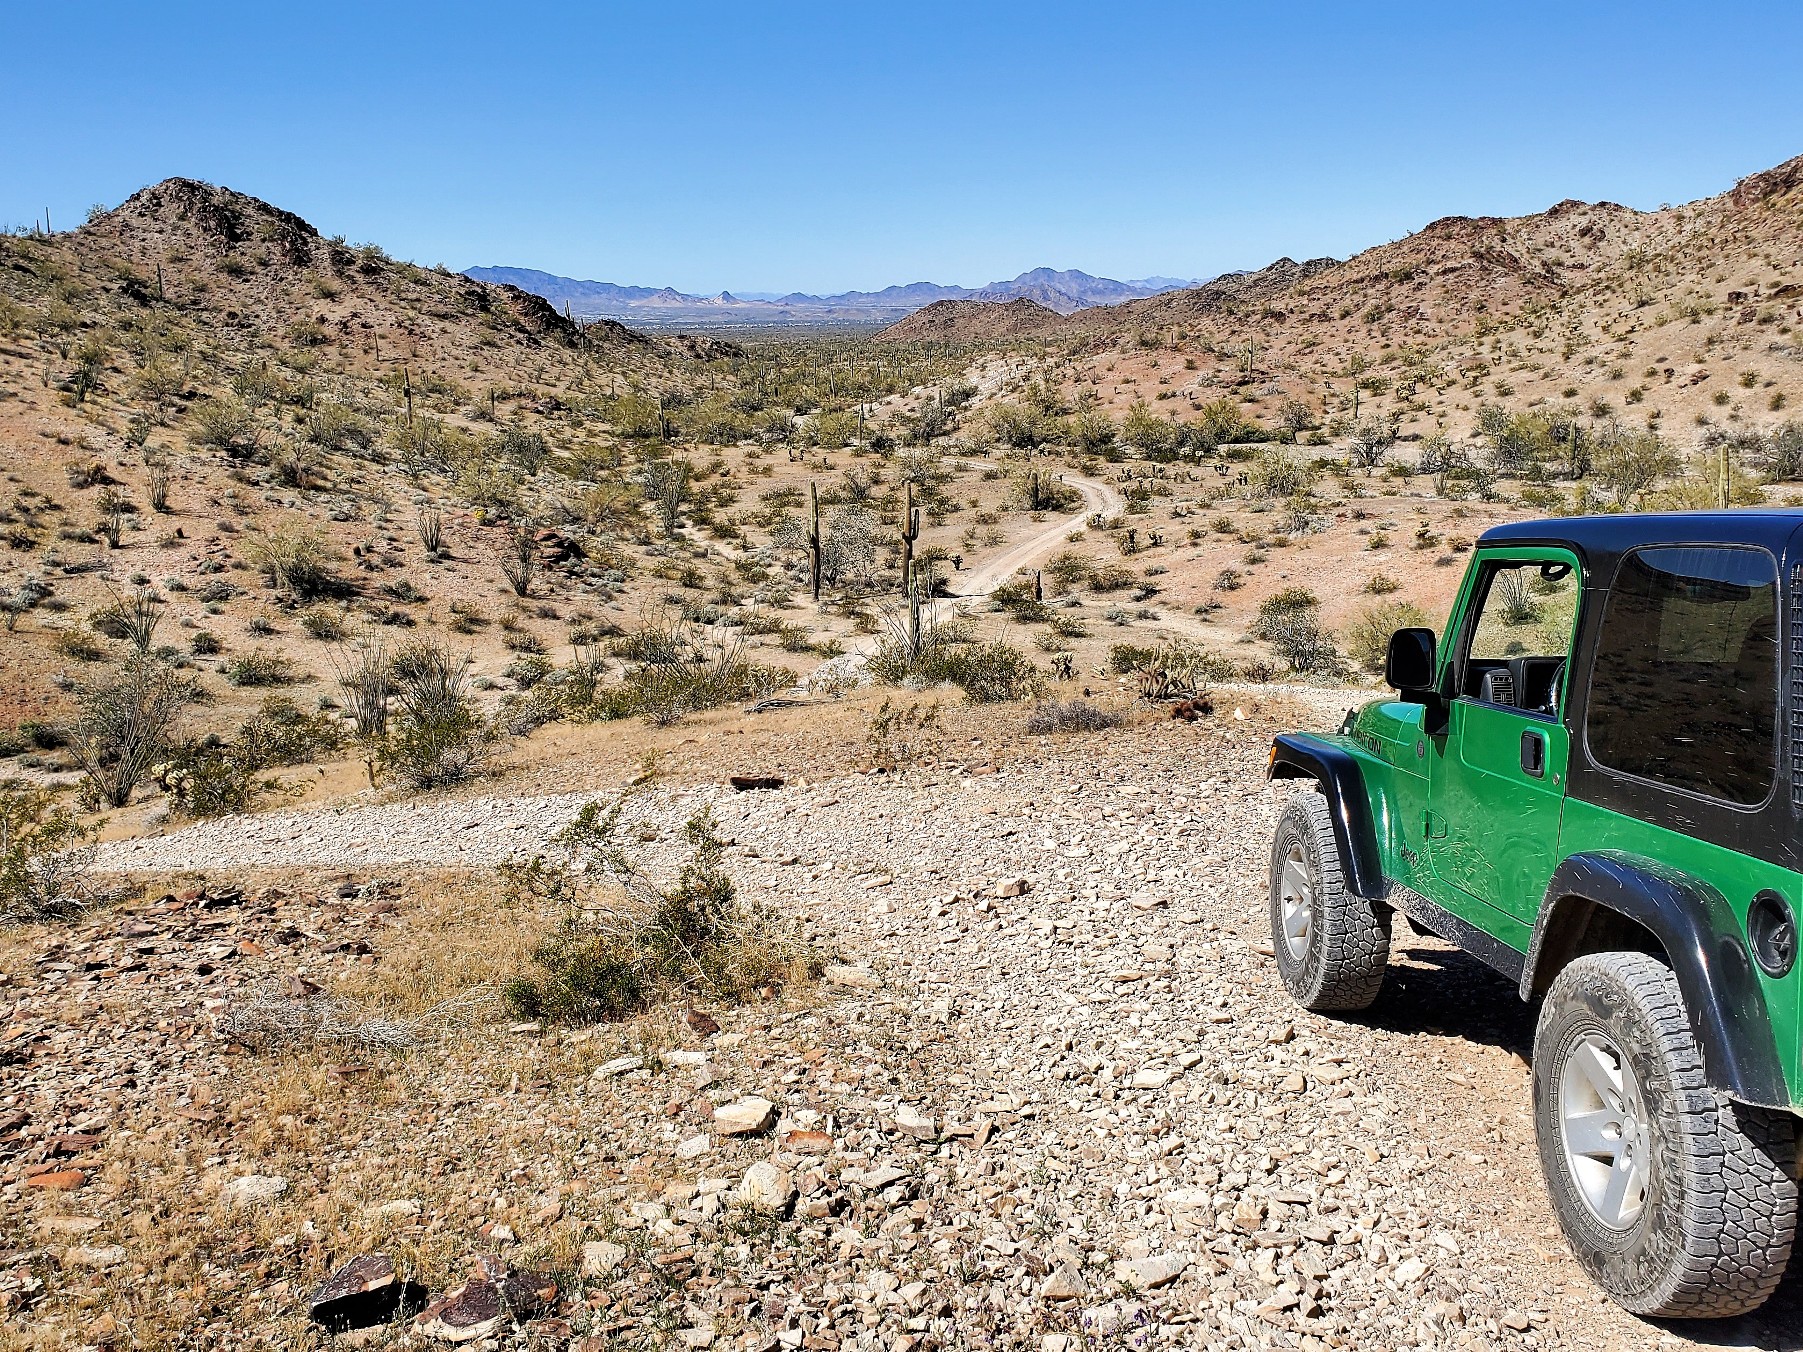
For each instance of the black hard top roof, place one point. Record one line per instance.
(1770, 527)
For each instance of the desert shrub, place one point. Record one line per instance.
(1068, 570)
(1111, 577)
(1126, 658)
(1019, 425)
(123, 723)
(898, 737)
(1290, 621)
(1381, 584)
(436, 736)
(1276, 474)
(528, 670)
(21, 600)
(674, 667)
(614, 954)
(988, 673)
(45, 855)
(259, 669)
(297, 559)
(214, 776)
(364, 680)
(80, 645)
(1015, 596)
(336, 429)
(1071, 716)
(224, 424)
(1039, 490)
(205, 644)
(132, 618)
(1368, 636)
(1154, 437)
(322, 622)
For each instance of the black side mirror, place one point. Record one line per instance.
(1409, 664)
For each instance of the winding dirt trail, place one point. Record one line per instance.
(986, 576)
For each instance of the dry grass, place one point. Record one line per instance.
(457, 1124)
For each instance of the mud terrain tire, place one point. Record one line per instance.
(1678, 1201)
(1331, 944)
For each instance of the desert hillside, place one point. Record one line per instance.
(1680, 318)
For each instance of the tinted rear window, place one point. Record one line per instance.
(1684, 688)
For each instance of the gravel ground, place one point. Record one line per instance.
(1069, 1105)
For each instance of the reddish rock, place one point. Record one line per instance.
(58, 1180)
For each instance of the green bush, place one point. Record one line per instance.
(216, 777)
(436, 737)
(1368, 636)
(259, 669)
(322, 622)
(988, 673)
(1290, 621)
(693, 938)
(1126, 658)
(44, 855)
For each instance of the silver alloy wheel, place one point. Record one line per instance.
(1298, 903)
(1604, 1127)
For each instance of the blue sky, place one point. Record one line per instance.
(826, 146)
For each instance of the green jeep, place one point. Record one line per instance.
(1594, 784)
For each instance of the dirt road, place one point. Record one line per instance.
(1077, 954)
(991, 572)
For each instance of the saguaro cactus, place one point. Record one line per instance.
(814, 538)
(913, 611)
(910, 532)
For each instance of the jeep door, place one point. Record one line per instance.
(1496, 775)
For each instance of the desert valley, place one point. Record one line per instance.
(519, 830)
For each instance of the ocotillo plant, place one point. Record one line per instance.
(814, 538)
(910, 532)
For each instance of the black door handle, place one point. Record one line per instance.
(1533, 754)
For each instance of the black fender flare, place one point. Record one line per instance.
(1296, 755)
(1702, 940)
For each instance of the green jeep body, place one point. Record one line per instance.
(1640, 788)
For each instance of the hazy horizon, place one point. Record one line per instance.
(822, 149)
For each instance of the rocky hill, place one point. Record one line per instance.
(1592, 265)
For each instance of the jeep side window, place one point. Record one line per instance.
(1684, 686)
(1522, 637)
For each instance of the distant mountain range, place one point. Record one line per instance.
(1062, 291)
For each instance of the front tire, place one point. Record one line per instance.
(1677, 1200)
(1332, 945)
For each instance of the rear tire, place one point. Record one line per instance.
(1678, 1201)
(1332, 945)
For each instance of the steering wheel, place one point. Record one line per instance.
(1552, 692)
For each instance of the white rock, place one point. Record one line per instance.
(858, 978)
(102, 1256)
(695, 1147)
(1146, 1274)
(910, 1119)
(766, 1188)
(620, 1065)
(600, 1257)
(254, 1188)
(745, 1117)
